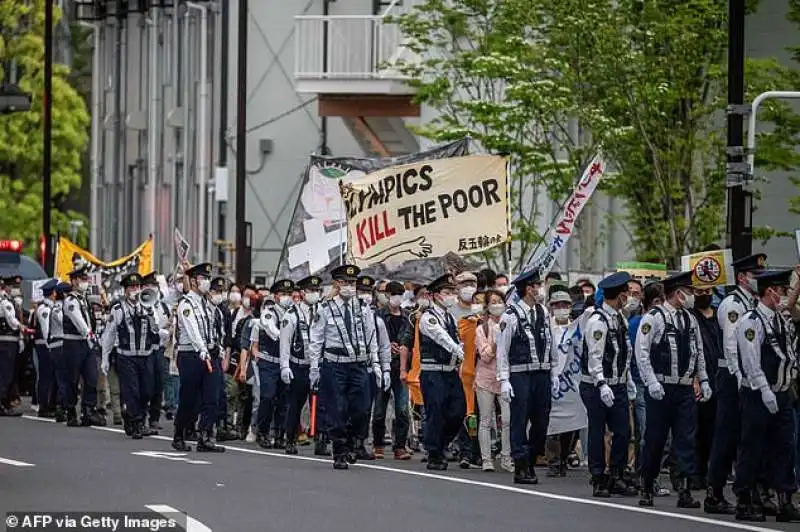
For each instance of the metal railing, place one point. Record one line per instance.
(345, 47)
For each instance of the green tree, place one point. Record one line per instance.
(21, 142)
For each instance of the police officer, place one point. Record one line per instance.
(294, 362)
(736, 304)
(265, 347)
(768, 365)
(669, 353)
(162, 317)
(9, 349)
(222, 335)
(195, 350)
(55, 343)
(132, 329)
(343, 335)
(604, 374)
(527, 365)
(81, 363)
(46, 374)
(441, 352)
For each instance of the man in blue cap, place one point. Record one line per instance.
(527, 365)
(46, 373)
(604, 375)
(768, 365)
(741, 300)
(55, 343)
(343, 334)
(669, 354)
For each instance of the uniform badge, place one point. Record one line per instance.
(750, 334)
(502, 326)
(733, 316)
(110, 317)
(646, 328)
(186, 312)
(284, 323)
(71, 308)
(597, 335)
(316, 318)
(432, 321)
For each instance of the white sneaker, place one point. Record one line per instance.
(35, 408)
(507, 464)
(488, 465)
(251, 436)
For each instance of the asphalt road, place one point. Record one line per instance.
(249, 489)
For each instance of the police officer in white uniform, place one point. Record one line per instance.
(46, 373)
(9, 348)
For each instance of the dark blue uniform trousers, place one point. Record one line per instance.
(531, 403)
(601, 417)
(766, 435)
(296, 397)
(445, 408)
(676, 411)
(136, 383)
(344, 389)
(270, 388)
(198, 392)
(156, 398)
(726, 429)
(8, 360)
(45, 379)
(81, 365)
(61, 375)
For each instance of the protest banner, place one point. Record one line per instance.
(427, 209)
(714, 268)
(644, 271)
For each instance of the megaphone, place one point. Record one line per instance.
(148, 297)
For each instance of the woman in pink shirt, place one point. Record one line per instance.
(487, 387)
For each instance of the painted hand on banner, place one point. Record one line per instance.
(418, 247)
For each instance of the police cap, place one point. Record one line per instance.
(132, 279)
(345, 272)
(768, 278)
(150, 279)
(365, 283)
(80, 271)
(442, 283)
(63, 288)
(751, 263)
(219, 284)
(282, 285)
(614, 284)
(526, 278)
(49, 287)
(679, 280)
(200, 270)
(312, 282)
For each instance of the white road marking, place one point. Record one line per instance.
(37, 418)
(513, 489)
(192, 524)
(176, 457)
(17, 463)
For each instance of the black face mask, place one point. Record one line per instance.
(702, 302)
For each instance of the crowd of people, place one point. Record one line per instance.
(638, 377)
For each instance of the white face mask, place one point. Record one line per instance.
(217, 298)
(365, 298)
(83, 286)
(449, 301)
(235, 297)
(395, 301)
(311, 298)
(18, 301)
(383, 299)
(423, 303)
(687, 300)
(246, 303)
(497, 309)
(179, 287)
(561, 314)
(466, 293)
(285, 301)
(476, 308)
(408, 294)
(632, 305)
(16, 292)
(752, 284)
(347, 291)
(133, 294)
(204, 285)
(783, 303)
(502, 289)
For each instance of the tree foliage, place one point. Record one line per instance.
(644, 80)
(21, 140)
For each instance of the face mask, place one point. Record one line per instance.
(783, 303)
(538, 295)
(383, 299)
(347, 291)
(235, 297)
(687, 300)
(423, 303)
(133, 294)
(502, 289)
(246, 303)
(752, 284)
(408, 294)
(497, 309)
(466, 293)
(16, 292)
(285, 301)
(18, 301)
(311, 298)
(48, 302)
(83, 286)
(217, 299)
(702, 302)
(476, 308)
(449, 301)
(633, 304)
(179, 287)
(204, 285)
(395, 301)
(561, 314)
(365, 298)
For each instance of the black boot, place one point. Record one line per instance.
(436, 463)
(746, 511)
(364, 454)
(600, 486)
(86, 420)
(716, 504)
(532, 471)
(553, 471)
(280, 440)
(787, 512)
(618, 486)
(321, 446)
(264, 441)
(61, 415)
(179, 443)
(522, 473)
(646, 498)
(685, 499)
(768, 503)
(291, 447)
(136, 430)
(340, 462)
(205, 445)
(72, 418)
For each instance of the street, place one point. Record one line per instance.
(51, 468)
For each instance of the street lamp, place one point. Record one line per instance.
(74, 227)
(13, 100)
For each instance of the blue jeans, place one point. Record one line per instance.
(797, 440)
(640, 422)
(172, 385)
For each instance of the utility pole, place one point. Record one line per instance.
(740, 236)
(223, 124)
(243, 253)
(47, 119)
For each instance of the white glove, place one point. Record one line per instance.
(313, 376)
(387, 381)
(506, 391)
(204, 355)
(376, 372)
(104, 366)
(769, 400)
(286, 375)
(655, 390)
(21, 345)
(459, 353)
(632, 391)
(555, 384)
(606, 395)
(705, 392)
